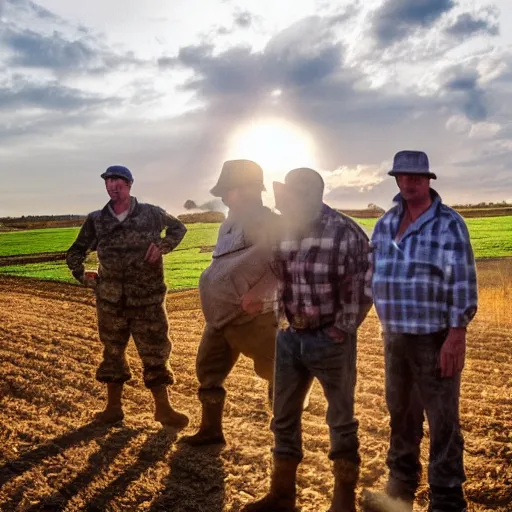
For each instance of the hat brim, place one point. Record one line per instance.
(399, 173)
(105, 176)
(219, 190)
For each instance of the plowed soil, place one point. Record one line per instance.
(52, 457)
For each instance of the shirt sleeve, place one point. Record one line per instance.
(460, 275)
(76, 254)
(175, 230)
(355, 275)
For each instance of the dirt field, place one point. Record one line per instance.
(52, 458)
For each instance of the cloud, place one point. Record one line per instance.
(464, 83)
(468, 24)
(27, 7)
(32, 49)
(51, 96)
(35, 38)
(243, 19)
(299, 56)
(397, 19)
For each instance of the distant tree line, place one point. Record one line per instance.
(502, 204)
(25, 219)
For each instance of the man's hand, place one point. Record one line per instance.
(453, 352)
(90, 278)
(336, 334)
(251, 305)
(153, 254)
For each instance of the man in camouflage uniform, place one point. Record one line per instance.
(130, 291)
(237, 294)
(425, 293)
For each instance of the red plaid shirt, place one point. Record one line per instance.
(325, 276)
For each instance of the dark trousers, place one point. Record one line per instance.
(414, 387)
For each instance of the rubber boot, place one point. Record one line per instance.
(113, 412)
(346, 475)
(164, 413)
(210, 430)
(282, 495)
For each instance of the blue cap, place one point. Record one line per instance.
(411, 162)
(118, 171)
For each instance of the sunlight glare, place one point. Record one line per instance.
(275, 145)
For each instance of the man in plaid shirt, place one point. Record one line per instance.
(425, 293)
(323, 270)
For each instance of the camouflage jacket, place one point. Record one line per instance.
(123, 275)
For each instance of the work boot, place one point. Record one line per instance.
(113, 412)
(404, 491)
(282, 495)
(346, 475)
(164, 413)
(210, 430)
(447, 499)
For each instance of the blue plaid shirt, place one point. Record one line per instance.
(426, 281)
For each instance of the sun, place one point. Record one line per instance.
(277, 146)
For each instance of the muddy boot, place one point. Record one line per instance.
(113, 411)
(346, 475)
(164, 413)
(281, 497)
(210, 430)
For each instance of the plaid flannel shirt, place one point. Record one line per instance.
(426, 281)
(325, 276)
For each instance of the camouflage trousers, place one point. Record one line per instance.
(149, 327)
(302, 356)
(220, 349)
(414, 387)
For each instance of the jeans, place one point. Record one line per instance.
(302, 356)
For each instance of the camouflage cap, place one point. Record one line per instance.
(238, 173)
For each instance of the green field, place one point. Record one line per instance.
(491, 238)
(14, 243)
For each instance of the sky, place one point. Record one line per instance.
(172, 89)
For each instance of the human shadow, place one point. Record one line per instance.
(25, 462)
(154, 449)
(102, 458)
(195, 483)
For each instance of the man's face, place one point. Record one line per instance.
(118, 189)
(232, 198)
(413, 187)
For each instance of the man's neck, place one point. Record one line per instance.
(417, 208)
(121, 206)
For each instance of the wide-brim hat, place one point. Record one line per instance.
(411, 162)
(238, 173)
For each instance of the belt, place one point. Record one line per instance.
(305, 323)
